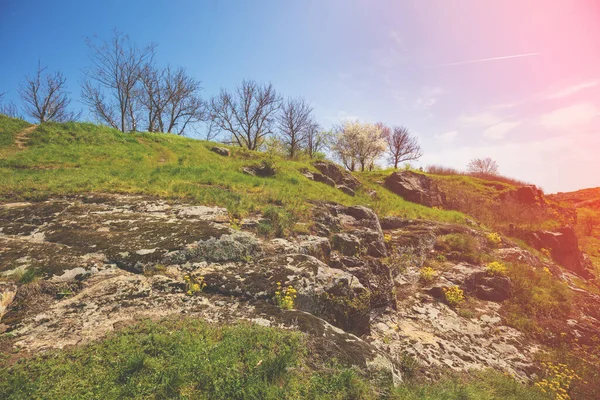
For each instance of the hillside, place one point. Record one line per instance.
(156, 266)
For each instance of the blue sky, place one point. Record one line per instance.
(518, 81)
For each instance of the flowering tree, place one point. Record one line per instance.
(358, 145)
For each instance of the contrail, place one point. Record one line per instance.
(485, 59)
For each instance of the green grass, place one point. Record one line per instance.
(188, 358)
(72, 158)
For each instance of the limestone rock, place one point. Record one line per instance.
(222, 151)
(415, 187)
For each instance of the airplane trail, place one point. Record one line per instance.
(480, 60)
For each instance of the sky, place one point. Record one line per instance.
(514, 80)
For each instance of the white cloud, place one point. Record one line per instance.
(447, 137)
(429, 96)
(500, 130)
(480, 120)
(571, 90)
(570, 116)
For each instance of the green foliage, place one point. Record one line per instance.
(536, 295)
(461, 247)
(427, 274)
(29, 275)
(73, 158)
(496, 268)
(285, 297)
(454, 296)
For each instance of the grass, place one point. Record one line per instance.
(72, 158)
(188, 358)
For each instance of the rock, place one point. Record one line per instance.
(323, 179)
(346, 244)
(372, 194)
(526, 195)
(518, 255)
(222, 151)
(337, 175)
(564, 248)
(415, 187)
(8, 291)
(263, 170)
(475, 280)
(394, 222)
(346, 190)
(316, 246)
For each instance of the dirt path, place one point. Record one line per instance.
(22, 137)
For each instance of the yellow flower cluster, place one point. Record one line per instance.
(427, 274)
(387, 238)
(546, 253)
(285, 297)
(454, 295)
(194, 285)
(496, 268)
(558, 380)
(493, 239)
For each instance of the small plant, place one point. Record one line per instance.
(285, 297)
(387, 238)
(194, 285)
(493, 239)
(546, 253)
(427, 274)
(558, 380)
(454, 295)
(496, 268)
(64, 292)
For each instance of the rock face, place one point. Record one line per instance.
(474, 281)
(263, 170)
(527, 195)
(415, 187)
(337, 175)
(564, 248)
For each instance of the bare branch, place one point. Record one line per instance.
(483, 166)
(402, 146)
(293, 123)
(45, 97)
(111, 86)
(247, 114)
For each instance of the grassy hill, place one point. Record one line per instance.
(63, 159)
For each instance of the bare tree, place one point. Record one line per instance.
(45, 97)
(170, 99)
(402, 146)
(293, 123)
(484, 166)
(247, 114)
(317, 140)
(111, 88)
(9, 109)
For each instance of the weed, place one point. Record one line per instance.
(285, 297)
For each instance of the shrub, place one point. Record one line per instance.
(460, 247)
(558, 380)
(493, 239)
(194, 285)
(454, 295)
(427, 274)
(496, 268)
(285, 297)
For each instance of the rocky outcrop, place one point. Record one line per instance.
(222, 151)
(474, 280)
(337, 175)
(332, 175)
(263, 170)
(564, 248)
(528, 195)
(415, 187)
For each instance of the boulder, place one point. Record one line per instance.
(8, 291)
(346, 244)
(527, 195)
(346, 190)
(263, 170)
(415, 187)
(337, 175)
(564, 248)
(476, 281)
(323, 179)
(222, 151)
